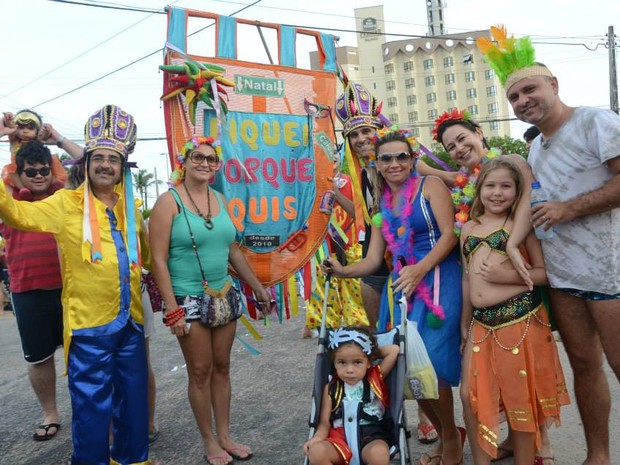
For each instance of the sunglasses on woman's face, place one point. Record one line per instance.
(386, 158)
(198, 158)
(33, 172)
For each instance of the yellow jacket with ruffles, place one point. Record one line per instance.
(91, 293)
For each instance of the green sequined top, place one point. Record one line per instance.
(496, 241)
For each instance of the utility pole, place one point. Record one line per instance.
(165, 154)
(156, 182)
(613, 77)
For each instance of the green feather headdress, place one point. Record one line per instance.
(511, 59)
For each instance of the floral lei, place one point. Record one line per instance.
(178, 173)
(400, 241)
(464, 190)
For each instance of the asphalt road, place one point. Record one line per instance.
(271, 400)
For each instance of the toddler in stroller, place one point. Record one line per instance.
(355, 423)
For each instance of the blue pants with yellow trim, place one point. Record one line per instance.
(108, 384)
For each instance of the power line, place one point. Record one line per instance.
(77, 56)
(97, 79)
(109, 6)
(77, 139)
(129, 64)
(136, 9)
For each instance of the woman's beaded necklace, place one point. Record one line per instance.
(207, 219)
(464, 191)
(399, 237)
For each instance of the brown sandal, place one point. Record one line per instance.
(503, 453)
(430, 458)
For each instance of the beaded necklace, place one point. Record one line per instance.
(399, 237)
(207, 219)
(464, 191)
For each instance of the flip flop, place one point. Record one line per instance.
(210, 458)
(234, 452)
(47, 436)
(463, 434)
(153, 435)
(503, 453)
(430, 458)
(424, 431)
(539, 460)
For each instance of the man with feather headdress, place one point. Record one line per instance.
(577, 161)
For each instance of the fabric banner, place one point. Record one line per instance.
(277, 158)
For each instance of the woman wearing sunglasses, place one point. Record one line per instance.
(192, 244)
(413, 220)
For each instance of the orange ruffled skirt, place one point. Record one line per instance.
(522, 380)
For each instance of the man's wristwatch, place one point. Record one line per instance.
(60, 141)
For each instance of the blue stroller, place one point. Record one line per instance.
(395, 382)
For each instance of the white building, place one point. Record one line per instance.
(418, 79)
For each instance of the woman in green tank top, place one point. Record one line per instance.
(193, 242)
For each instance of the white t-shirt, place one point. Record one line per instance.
(584, 254)
(356, 393)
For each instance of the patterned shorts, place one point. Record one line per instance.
(589, 295)
(191, 304)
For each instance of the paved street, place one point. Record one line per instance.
(271, 398)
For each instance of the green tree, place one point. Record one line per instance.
(142, 180)
(509, 145)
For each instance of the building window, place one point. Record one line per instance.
(471, 92)
(470, 76)
(431, 97)
(491, 91)
(412, 116)
(492, 107)
(393, 117)
(391, 101)
(429, 81)
(409, 83)
(416, 132)
(451, 109)
(408, 66)
(468, 59)
(495, 125)
(473, 109)
(451, 95)
(432, 114)
(450, 78)
(389, 68)
(390, 85)
(412, 99)
(489, 74)
(448, 62)
(428, 63)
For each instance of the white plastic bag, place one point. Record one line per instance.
(420, 378)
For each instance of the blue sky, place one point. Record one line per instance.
(52, 48)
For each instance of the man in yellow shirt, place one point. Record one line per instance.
(102, 244)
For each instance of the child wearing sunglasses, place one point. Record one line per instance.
(27, 126)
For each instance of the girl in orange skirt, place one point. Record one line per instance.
(510, 360)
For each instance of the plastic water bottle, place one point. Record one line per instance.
(537, 197)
